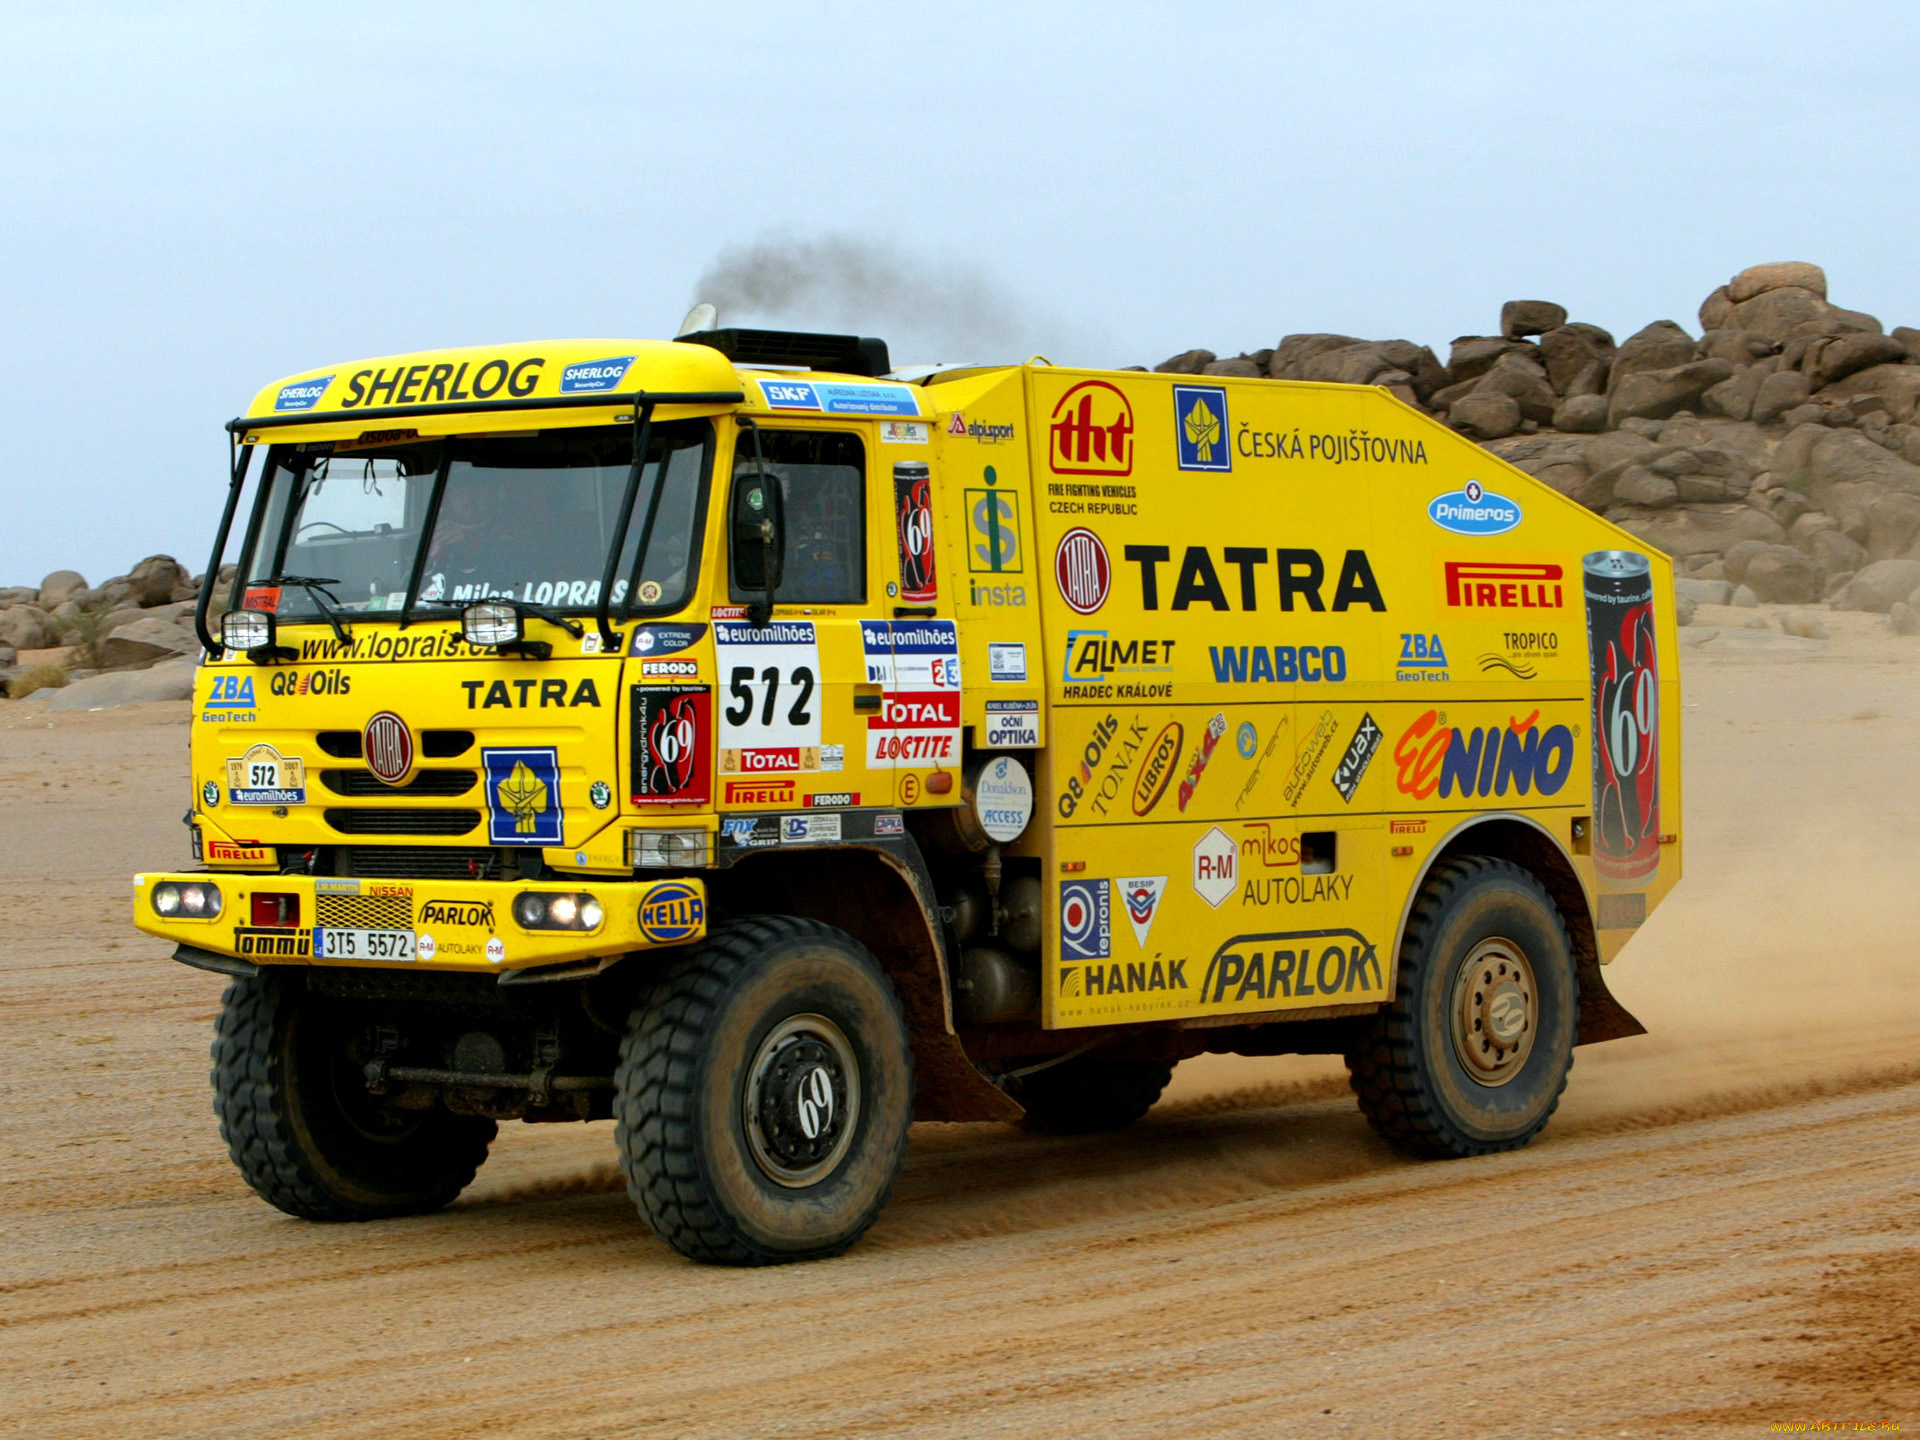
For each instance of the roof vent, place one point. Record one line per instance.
(842, 354)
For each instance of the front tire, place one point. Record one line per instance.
(764, 1094)
(1473, 1053)
(303, 1129)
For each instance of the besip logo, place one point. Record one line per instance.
(1082, 570)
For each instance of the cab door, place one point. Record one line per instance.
(794, 697)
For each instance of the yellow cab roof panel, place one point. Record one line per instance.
(495, 381)
(486, 387)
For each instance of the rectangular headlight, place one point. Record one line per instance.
(490, 623)
(246, 629)
(667, 849)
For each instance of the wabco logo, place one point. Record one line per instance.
(302, 394)
(1431, 758)
(591, 376)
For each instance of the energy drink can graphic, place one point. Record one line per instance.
(1626, 716)
(913, 519)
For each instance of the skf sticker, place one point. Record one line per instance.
(1086, 920)
(672, 912)
(263, 776)
(1200, 427)
(523, 795)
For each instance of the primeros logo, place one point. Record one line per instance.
(1475, 510)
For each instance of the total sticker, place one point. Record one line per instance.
(496, 949)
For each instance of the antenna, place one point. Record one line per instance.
(700, 317)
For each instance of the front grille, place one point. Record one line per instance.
(418, 862)
(363, 912)
(361, 784)
(373, 821)
(434, 744)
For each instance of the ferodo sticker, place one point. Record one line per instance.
(263, 776)
(770, 708)
(916, 664)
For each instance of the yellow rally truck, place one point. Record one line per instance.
(740, 740)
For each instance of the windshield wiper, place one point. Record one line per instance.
(522, 608)
(326, 603)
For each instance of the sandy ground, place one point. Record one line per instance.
(1719, 1232)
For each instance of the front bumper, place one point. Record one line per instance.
(454, 925)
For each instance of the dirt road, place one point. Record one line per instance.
(1719, 1231)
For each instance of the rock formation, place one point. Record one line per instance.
(1779, 450)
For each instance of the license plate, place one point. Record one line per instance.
(333, 943)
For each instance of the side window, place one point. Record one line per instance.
(822, 476)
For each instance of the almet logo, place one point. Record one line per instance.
(1091, 431)
(1432, 758)
(1501, 585)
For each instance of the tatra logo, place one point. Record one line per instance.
(1092, 431)
(1301, 575)
(1490, 585)
(554, 694)
(1082, 570)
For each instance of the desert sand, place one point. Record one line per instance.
(1718, 1232)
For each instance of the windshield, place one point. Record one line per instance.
(524, 515)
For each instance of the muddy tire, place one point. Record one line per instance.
(764, 1093)
(1080, 1097)
(1474, 1051)
(298, 1121)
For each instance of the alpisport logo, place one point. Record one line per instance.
(1086, 920)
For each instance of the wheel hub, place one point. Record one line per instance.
(1495, 1011)
(802, 1100)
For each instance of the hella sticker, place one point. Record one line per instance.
(301, 394)
(591, 376)
(1475, 510)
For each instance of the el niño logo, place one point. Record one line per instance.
(1431, 758)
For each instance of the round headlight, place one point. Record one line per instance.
(590, 913)
(530, 910)
(564, 910)
(166, 899)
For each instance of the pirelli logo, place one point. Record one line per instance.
(1502, 585)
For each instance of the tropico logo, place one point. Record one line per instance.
(1082, 570)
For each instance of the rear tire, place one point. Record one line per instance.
(1090, 1094)
(764, 1094)
(1473, 1053)
(299, 1122)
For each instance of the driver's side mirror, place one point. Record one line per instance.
(759, 536)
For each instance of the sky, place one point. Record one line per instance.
(196, 199)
